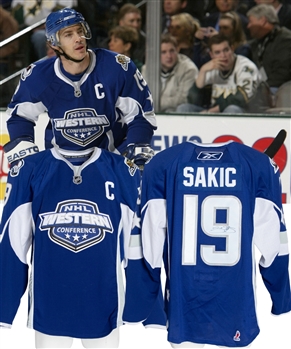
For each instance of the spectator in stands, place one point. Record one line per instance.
(183, 27)
(229, 25)
(283, 11)
(178, 74)
(130, 15)
(123, 40)
(224, 6)
(8, 27)
(29, 12)
(271, 45)
(6, 4)
(233, 80)
(171, 8)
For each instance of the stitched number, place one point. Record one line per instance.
(220, 218)
(139, 80)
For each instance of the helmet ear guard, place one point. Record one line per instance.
(61, 19)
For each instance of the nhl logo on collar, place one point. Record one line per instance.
(123, 61)
(76, 224)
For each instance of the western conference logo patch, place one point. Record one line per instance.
(76, 224)
(81, 126)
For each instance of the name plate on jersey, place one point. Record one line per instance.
(212, 176)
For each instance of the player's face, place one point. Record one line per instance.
(172, 7)
(72, 41)
(169, 56)
(225, 5)
(117, 45)
(225, 27)
(131, 19)
(224, 53)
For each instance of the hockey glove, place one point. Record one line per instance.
(139, 154)
(19, 148)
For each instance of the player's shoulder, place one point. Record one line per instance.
(30, 164)
(248, 155)
(119, 163)
(113, 61)
(169, 156)
(39, 72)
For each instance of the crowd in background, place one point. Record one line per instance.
(233, 55)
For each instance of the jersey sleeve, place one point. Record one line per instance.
(15, 241)
(135, 103)
(270, 237)
(152, 241)
(141, 301)
(24, 108)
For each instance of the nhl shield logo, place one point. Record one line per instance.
(81, 126)
(76, 224)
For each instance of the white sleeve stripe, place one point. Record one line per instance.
(129, 107)
(28, 110)
(135, 241)
(154, 231)
(283, 237)
(267, 231)
(135, 250)
(20, 231)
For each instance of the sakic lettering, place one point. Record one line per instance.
(209, 177)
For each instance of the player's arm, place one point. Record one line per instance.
(23, 112)
(15, 240)
(135, 103)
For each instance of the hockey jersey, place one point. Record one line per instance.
(204, 209)
(75, 212)
(107, 104)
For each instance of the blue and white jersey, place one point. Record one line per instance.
(102, 107)
(74, 212)
(204, 209)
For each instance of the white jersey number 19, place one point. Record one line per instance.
(228, 229)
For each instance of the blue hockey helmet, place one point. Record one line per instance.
(61, 19)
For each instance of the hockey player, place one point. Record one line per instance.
(92, 97)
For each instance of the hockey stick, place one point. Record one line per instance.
(278, 141)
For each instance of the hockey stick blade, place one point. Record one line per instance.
(278, 141)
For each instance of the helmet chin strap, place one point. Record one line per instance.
(63, 53)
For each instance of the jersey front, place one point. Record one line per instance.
(76, 220)
(244, 77)
(204, 209)
(84, 110)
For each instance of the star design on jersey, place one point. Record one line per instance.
(150, 98)
(136, 221)
(121, 120)
(76, 237)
